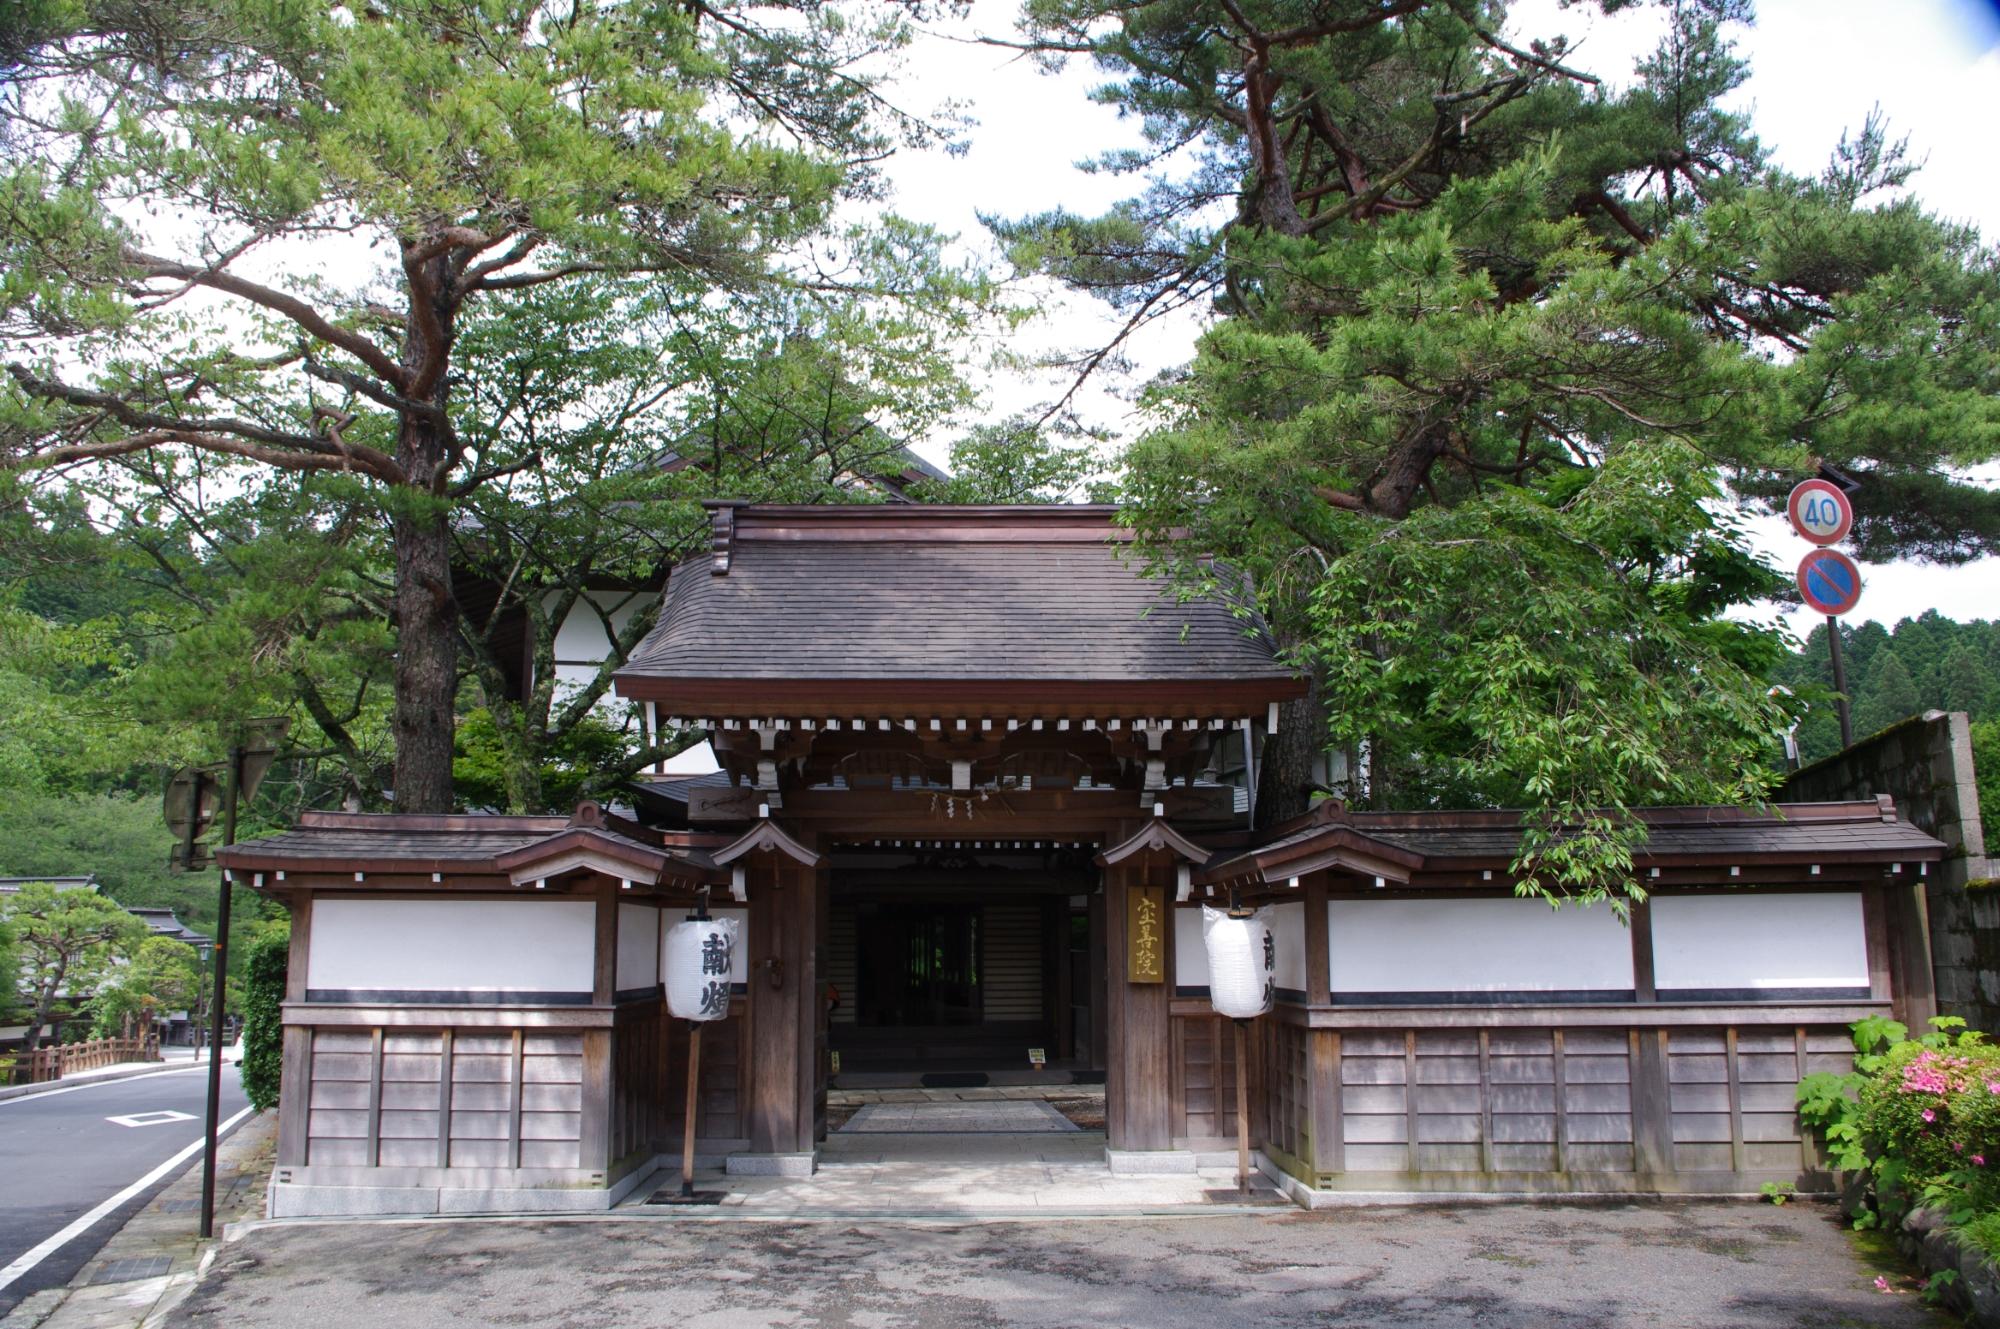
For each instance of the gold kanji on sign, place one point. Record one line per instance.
(1145, 936)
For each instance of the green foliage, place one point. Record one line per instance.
(1924, 663)
(1921, 1117)
(10, 964)
(1986, 761)
(1014, 461)
(1608, 695)
(1778, 1192)
(1491, 346)
(320, 440)
(266, 951)
(160, 975)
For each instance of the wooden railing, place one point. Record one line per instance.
(54, 1062)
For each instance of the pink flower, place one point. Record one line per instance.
(1993, 1086)
(1929, 1115)
(1881, 1283)
(1957, 1148)
(1979, 1160)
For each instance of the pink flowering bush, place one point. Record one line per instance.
(1933, 1106)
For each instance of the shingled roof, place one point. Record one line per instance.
(1404, 846)
(473, 846)
(874, 602)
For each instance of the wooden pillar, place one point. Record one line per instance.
(600, 1097)
(1914, 994)
(787, 1012)
(295, 1067)
(1138, 1089)
(1326, 1153)
(1060, 1034)
(1099, 958)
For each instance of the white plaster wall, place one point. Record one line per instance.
(453, 945)
(739, 971)
(1190, 956)
(1475, 945)
(638, 946)
(1288, 932)
(580, 636)
(1755, 940)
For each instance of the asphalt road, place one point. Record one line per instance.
(1737, 1265)
(61, 1156)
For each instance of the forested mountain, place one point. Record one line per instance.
(1921, 664)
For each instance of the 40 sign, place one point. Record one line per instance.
(1829, 581)
(1820, 512)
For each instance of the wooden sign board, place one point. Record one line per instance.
(1145, 936)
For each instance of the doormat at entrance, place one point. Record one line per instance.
(1004, 1117)
(953, 1080)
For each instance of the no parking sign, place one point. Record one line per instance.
(1829, 581)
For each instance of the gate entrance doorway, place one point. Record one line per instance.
(961, 974)
(919, 965)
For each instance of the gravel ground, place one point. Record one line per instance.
(1698, 1265)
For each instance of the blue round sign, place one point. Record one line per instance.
(1829, 581)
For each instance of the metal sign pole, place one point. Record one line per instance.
(216, 1011)
(1839, 681)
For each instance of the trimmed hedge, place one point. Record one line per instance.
(263, 1018)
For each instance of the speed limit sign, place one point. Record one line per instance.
(1820, 512)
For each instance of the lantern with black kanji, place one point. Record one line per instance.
(701, 957)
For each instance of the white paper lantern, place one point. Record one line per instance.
(1242, 963)
(701, 956)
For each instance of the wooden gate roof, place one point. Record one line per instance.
(803, 610)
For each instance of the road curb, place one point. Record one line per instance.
(108, 1077)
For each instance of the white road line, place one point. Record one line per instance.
(42, 1252)
(98, 1084)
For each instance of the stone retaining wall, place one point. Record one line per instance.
(1925, 764)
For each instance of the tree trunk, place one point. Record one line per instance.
(426, 609)
(1284, 781)
(426, 663)
(45, 1004)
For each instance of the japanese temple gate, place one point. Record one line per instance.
(978, 777)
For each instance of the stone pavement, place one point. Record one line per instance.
(990, 1118)
(1734, 1265)
(964, 1153)
(152, 1262)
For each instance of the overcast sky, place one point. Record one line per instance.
(1818, 66)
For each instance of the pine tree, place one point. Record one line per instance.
(1491, 337)
(453, 155)
(1891, 695)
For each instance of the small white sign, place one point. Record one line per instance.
(151, 1118)
(1038, 1057)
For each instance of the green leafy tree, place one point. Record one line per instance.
(161, 974)
(681, 395)
(1962, 683)
(1986, 763)
(10, 971)
(1491, 337)
(1892, 695)
(69, 940)
(1017, 461)
(440, 157)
